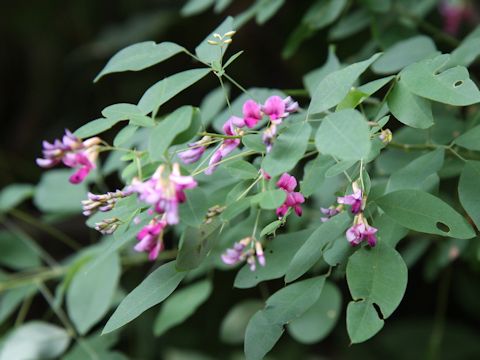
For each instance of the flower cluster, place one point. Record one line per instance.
(275, 108)
(248, 249)
(164, 192)
(360, 230)
(288, 183)
(103, 202)
(72, 152)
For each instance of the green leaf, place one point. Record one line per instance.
(469, 191)
(452, 86)
(278, 252)
(339, 167)
(163, 90)
(288, 149)
(165, 132)
(35, 340)
(210, 53)
(242, 169)
(232, 330)
(11, 299)
(181, 305)
(389, 232)
(410, 109)
(272, 199)
(345, 135)
(261, 335)
(314, 174)
(421, 211)
(254, 142)
(194, 210)
(96, 344)
(468, 50)
(469, 139)
(404, 53)
(349, 24)
(154, 289)
(124, 135)
(265, 327)
(91, 292)
(140, 56)
(196, 243)
(318, 321)
(14, 194)
(213, 103)
(95, 127)
(313, 78)
(16, 252)
(311, 251)
(416, 174)
(335, 86)
(271, 228)
(55, 194)
(375, 276)
(193, 7)
(267, 9)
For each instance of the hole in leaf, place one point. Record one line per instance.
(442, 227)
(378, 310)
(458, 83)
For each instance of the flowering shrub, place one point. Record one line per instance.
(316, 187)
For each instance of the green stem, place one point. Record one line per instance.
(53, 231)
(220, 136)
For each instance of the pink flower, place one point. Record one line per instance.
(355, 199)
(150, 238)
(288, 183)
(277, 108)
(231, 125)
(252, 113)
(454, 13)
(73, 153)
(360, 231)
(164, 193)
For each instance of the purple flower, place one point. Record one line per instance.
(277, 108)
(252, 113)
(329, 212)
(355, 199)
(239, 253)
(228, 145)
(360, 231)
(195, 151)
(73, 153)
(150, 238)
(164, 193)
(268, 136)
(288, 183)
(291, 106)
(231, 125)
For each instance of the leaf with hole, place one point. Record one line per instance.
(429, 79)
(423, 212)
(376, 277)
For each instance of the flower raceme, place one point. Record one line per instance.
(72, 152)
(288, 183)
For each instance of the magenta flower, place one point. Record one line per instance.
(252, 113)
(247, 249)
(329, 213)
(360, 231)
(355, 199)
(73, 153)
(274, 108)
(150, 238)
(454, 13)
(231, 125)
(164, 193)
(288, 183)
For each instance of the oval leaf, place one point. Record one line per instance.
(469, 191)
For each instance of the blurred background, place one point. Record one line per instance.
(50, 53)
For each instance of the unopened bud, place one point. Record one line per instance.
(386, 136)
(230, 33)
